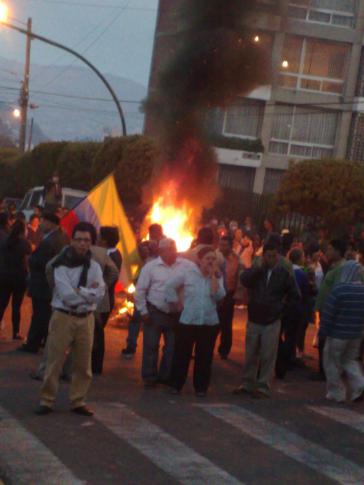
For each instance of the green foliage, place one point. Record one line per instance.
(330, 190)
(82, 165)
(8, 154)
(236, 143)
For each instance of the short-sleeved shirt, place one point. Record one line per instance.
(13, 259)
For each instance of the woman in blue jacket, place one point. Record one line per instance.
(199, 322)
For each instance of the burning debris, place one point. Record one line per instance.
(124, 305)
(217, 61)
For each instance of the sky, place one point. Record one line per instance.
(115, 35)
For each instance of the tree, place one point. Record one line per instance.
(82, 165)
(331, 190)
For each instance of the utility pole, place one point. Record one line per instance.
(24, 94)
(33, 36)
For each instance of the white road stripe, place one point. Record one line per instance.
(165, 451)
(294, 446)
(26, 459)
(341, 415)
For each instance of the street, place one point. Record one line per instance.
(143, 436)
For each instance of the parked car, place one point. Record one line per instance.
(34, 198)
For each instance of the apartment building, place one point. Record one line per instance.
(312, 107)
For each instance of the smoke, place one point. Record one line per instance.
(217, 61)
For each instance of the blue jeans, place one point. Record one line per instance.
(160, 324)
(133, 330)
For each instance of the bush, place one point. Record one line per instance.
(330, 190)
(235, 143)
(82, 166)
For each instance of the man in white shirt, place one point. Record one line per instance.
(158, 316)
(79, 286)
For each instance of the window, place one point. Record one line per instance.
(36, 198)
(240, 178)
(340, 13)
(244, 118)
(313, 65)
(303, 132)
(70, 201)
(356, 139)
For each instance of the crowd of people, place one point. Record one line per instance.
(188, 299)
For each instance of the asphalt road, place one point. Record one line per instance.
(143, 436)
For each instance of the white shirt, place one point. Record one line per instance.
(199, 301)
(151, 286)
(86, 299)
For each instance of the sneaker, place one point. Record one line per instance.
(35, 376)
(260, 395)
(83, 411)
(242, 390)
(128, 353)
(360, 397)
(42, 410)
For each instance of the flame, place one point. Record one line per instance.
(176, 222)
(131, 289)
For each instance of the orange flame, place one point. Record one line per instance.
(176, 222)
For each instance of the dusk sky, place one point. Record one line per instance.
(115, 35)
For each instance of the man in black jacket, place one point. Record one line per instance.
(270, 287)
(54, 240)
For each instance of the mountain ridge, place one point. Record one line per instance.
(62, 113)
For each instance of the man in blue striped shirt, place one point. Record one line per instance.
(342, 323)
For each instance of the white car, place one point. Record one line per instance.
(34, 197)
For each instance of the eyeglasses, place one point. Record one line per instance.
(82, 239)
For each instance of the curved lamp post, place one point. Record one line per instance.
(41, 38)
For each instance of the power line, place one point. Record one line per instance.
(112, 21)
(72, 96)
(75, 46)
(94, 5)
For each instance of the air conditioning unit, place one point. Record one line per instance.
(240, 158)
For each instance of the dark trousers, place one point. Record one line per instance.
(15, 290)
(226, 315)
(154, 369)
(203, 338)
(134, 330)
(291, 324)
(321, 346)
(301, 337)
(38, 331)
(98, 349)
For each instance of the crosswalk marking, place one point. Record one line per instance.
(341, 415)
(165, 451)
(26, 459)
(294, 446)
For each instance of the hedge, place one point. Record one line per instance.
(81, 165)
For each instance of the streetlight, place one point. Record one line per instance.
(16, 113)
(4, 12)
(25, 88)
(256, 39)
(285, 64)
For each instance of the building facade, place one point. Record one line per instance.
(312, 107)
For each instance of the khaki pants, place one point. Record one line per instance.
(261, 346)
(66, 331)
(341, 356)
